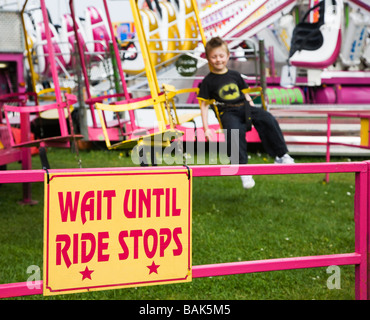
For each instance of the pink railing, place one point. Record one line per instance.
(358, 258)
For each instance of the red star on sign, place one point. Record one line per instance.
(86, 273)
(153, 268)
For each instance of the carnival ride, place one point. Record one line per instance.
(336, 42)
(330, 73)
(96, 50)
(333, 69)
(95, 43)
(16, 107)
(63, 103)
(164, 24)
(161, 98)
(12, 90)
(321, 38)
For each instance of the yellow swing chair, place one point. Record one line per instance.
(165, 109)
(161, 99)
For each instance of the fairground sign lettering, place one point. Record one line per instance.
(186, 66)
(108, 230)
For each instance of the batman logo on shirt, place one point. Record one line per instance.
(229, 92)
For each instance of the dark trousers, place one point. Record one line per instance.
(233, 121)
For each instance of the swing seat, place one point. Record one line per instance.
(258, 97)
(256, 93)
(161, 138)
(96, 32)
(62, 53)
(59, 141)
(317, 45)
(163, 135)
(48, 94)
(188, 117)
(67, 35)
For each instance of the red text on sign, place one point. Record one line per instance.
(136, 201)
(152, 240)
(92, 204)
(81, 248)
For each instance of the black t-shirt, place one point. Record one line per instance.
(225, 89)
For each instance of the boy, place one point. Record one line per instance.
(237, 111)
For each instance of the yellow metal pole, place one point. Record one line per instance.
(33, 77)
(107, 141)
(149, 66)
(200, 27)
(364, 132)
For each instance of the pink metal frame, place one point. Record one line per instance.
(54, 72)
(359, 257)
(32, 109)
(59, 104)
(258, 21)
(9, 154)
(90, 100)
(361, 4)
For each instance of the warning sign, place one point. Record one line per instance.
(107, 230)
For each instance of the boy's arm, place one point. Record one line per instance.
(249, 99)
(204, 115)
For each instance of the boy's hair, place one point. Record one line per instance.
(215, 43)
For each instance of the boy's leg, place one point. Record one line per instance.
(235, 134)
(269, 131)
(235, 127)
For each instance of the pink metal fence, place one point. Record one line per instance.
(358, 258)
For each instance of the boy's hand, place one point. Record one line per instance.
(208, 134)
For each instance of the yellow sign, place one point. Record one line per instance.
(108, 230)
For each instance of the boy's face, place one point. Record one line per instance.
(218, 59)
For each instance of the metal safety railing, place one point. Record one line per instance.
(358, 258)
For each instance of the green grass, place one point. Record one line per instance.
(282, 216)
